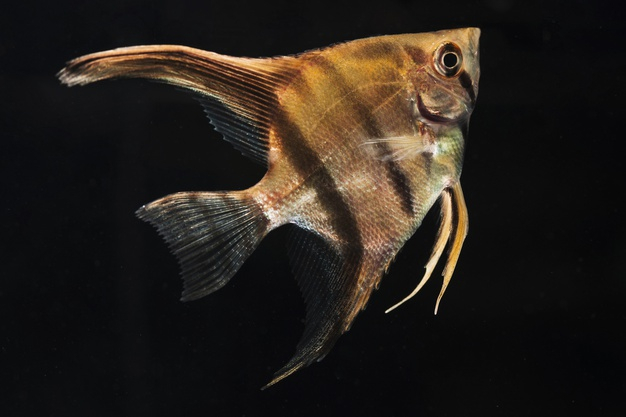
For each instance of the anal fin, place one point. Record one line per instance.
(328, 277)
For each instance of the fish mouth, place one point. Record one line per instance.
(431, 116)
(438, 116)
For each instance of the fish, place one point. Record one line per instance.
(359, 140)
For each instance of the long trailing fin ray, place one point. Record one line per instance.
(453, 228)
(327, 277)
(443, 236)
(211, 234)
(460, 232)
(238, 94)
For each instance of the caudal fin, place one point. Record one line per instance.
(211, 234)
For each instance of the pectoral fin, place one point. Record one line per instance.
(397, 148)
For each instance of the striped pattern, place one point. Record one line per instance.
(362, 86)
(328, 124)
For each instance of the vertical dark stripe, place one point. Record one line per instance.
(417, 55)
(466, 82)
(310, 166)
(327, 277)
(400, 182)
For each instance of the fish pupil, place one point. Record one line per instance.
(450, 60)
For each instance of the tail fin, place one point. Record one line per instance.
(211, 234)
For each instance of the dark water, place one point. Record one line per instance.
(533, 323)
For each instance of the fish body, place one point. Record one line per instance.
(359, 139)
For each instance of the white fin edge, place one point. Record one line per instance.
(403, 147)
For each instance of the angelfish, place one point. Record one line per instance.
(360, 139)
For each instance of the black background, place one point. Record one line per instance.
(533, 324)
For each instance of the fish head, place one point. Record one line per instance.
(446, 82)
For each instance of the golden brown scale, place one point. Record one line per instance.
(360, 140)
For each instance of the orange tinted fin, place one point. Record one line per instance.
(461, 227)
(453, 228)
(238, 94)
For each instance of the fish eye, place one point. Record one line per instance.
(448, 59)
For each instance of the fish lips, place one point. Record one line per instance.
(442, 106)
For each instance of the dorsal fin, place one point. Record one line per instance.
(238, 94)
